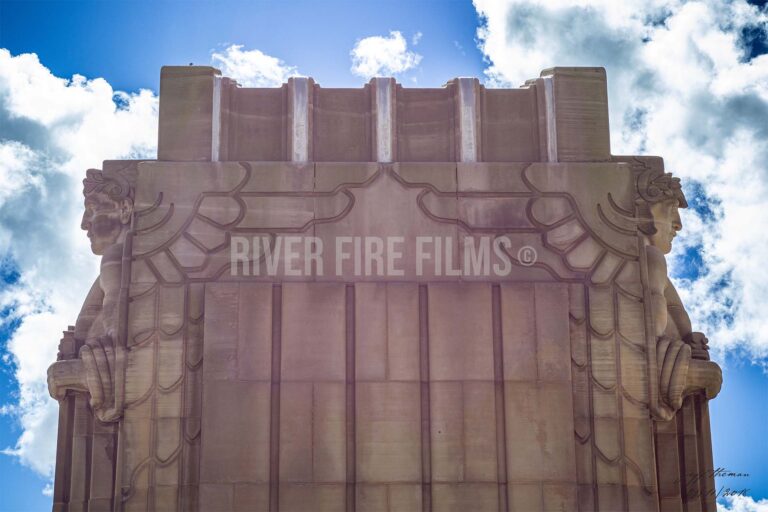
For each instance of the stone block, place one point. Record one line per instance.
(235, 432)
(553, 344)
(480, 443)
(312, 497)
(610, 497)
(276, 177)
(254, 339)
(463, 434)
(447, 432)
(459, 497)
(313, 332)
(388, 431)
(539, 420)
(222, 304)
(404, 497)
(371, 344)
(342, 127)
(371, 498)
(312, 432)
(560, 497)
(403, 331)
(219, 497)
(166, 497)
(388, 498)
(186, 111)
(518, 323)
(490, 176)
(384, 207)
(251, 497)
(460, 332)
(525, 496)
(509, 125)
(296, 403)
(329, 433)
(426, 124)
(257, 120)
(581, 113)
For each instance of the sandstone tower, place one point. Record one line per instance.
(573, 380)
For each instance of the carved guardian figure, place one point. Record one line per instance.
(108, 209)
(683, 355)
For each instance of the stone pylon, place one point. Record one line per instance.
(383, 298)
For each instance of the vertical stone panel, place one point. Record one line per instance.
(581, 113)
(509, 125)
(250, 497)
(313, 397)
(313, 345)
(519, 332)
(553, 343)
(235, 432)
(216, 496)
(235, 423)
(254, 333)
(81, 441)
(447, 432)
(329, 434)
(371, 332)
(222, 303)
(135, 432)
(257, 130)
(388, 406)
(296, 401)
(540, 442)
(480, 497)
(319, 498)
(480, 432)
(103, 450)
(541, 459)
(668, 466)
(388, 432)
(426, 124)
(462, 397)
(186, 110)
(342, 125)
(460, 332)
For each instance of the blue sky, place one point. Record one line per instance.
(126, 42)
(688, 80)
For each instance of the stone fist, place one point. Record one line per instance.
(699, 345)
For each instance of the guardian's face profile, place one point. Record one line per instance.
(666, 220)
(105, 220)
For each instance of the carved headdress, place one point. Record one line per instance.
(118, 184)
(655, 186)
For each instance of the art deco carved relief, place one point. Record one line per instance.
(109, 197)
(174, 338)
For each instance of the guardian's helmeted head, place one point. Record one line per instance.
(661, 197)
(109, 197)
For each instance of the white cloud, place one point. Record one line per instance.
(51, 130)
(252, 68)
(383, 56)
(682, 87)
(742, 504)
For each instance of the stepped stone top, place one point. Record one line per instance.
(561, 116)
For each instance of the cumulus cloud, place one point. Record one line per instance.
(684, 83)
(252, 68)
(51, 130)
(742, 504)
(384, 56)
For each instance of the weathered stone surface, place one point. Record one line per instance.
(195, 379)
